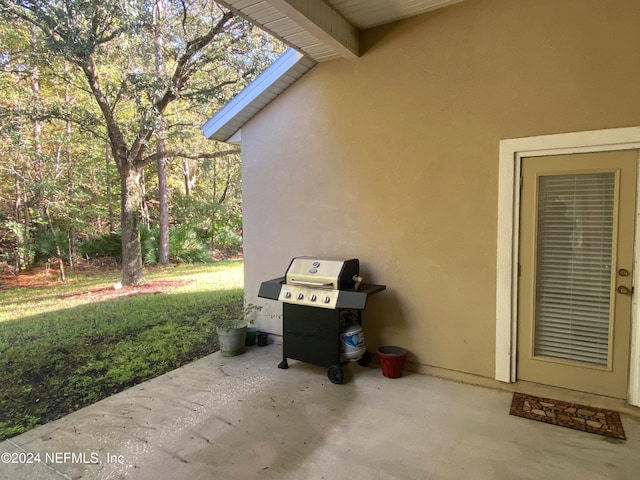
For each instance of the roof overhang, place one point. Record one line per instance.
(290, 66)
(317, 31)
(327, 29)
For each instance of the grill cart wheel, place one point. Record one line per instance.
(365, 360)
(335, 374)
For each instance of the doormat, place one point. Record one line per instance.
(571, 415)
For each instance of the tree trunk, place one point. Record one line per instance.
(131, 249)
(163, 254)
(63, 277)
(17, 215)
(161, 147)
(142, 191)
(112, 221)
(38, 200)
(187, 177)
(70, 186)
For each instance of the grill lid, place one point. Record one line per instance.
(317, 281)
(322, 283)
(327, 273)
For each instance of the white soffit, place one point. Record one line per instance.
(365, 14)
(290, 66)
(327, 29)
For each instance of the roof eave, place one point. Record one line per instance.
(288, 68)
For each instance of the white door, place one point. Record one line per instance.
(575, 283)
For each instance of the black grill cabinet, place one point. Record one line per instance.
(311, 333)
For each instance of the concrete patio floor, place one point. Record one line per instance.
(243, 418)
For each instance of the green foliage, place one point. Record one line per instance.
(150, 240)
(186, 247)
(219, 225)
(105, 245)
(61, 354)
(20, 237)
(229, 239)
(47, 243)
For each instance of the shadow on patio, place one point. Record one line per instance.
(243, 418)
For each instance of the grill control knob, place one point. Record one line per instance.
(327, 299)
(300, 296)
(287, 295)
(313, 298)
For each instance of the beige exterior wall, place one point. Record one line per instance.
(393, 158)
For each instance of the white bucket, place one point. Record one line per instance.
(352, 342)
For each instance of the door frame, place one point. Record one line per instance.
(512, 151)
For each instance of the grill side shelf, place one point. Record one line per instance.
(357, 299)
(271, 288)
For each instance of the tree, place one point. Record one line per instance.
(161, 146)
(52, 180)
(110, 44)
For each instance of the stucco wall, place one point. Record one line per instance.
(393, 157)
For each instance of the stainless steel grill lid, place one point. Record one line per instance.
(322, 272)
(317, 282)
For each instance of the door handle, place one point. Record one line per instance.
(625, 290)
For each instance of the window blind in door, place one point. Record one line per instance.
(575, 231)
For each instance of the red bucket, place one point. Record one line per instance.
(392, 361)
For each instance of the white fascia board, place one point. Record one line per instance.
(232, 110)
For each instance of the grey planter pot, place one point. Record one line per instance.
(231, 340)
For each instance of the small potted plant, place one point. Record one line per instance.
(249, 314)
(232, 332)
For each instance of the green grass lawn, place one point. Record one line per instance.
(66, 345)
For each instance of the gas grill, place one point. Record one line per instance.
(321, 297)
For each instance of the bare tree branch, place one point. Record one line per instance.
(191, 156)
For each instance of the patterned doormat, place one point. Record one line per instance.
(571, 415)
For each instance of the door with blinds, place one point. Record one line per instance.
(575, 270)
